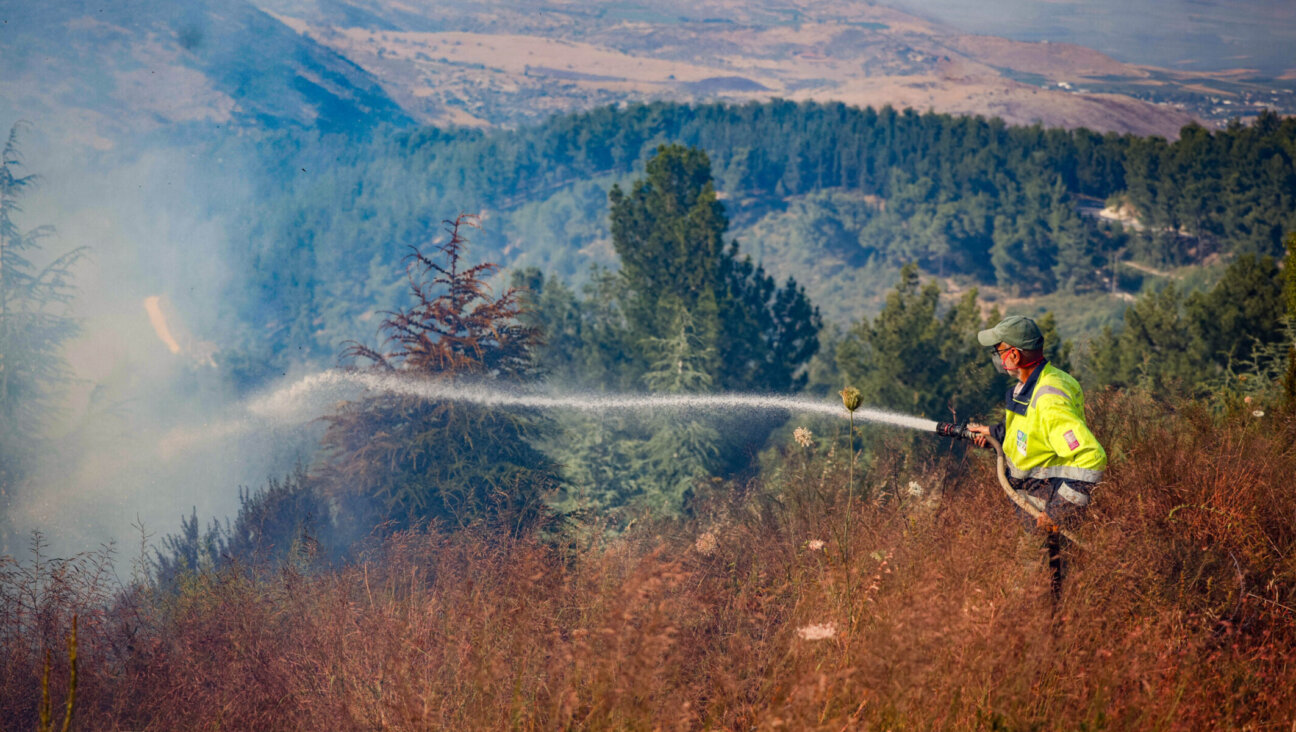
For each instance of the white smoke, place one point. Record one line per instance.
(149, 427)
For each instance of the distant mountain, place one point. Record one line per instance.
(93, 70)
(90, 71)
(501, 62)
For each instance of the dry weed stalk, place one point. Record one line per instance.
(46, 710)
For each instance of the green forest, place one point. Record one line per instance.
(870, 190)
(449, 564)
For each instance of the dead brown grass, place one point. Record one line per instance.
(1177, 616)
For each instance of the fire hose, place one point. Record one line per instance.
(1017, 497)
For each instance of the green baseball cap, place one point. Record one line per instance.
(1016, 331)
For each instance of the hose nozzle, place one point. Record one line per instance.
(949, 429)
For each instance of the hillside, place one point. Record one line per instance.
(492, 64)
(94, 73)
(838, 198)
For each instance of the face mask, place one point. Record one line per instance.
(998, 362)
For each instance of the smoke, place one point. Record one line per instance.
(150, 427)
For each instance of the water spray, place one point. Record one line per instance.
(317, 391)
(310, 395)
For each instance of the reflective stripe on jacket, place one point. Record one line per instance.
(1045, 435)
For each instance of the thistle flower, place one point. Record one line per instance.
(803, 436)
(706, 544)
(850, 398)
(817, 632)
(914, 488)
(1258, 413)
(815, 545)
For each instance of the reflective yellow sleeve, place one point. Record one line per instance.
(1068, 435)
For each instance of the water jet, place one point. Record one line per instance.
(314, 392)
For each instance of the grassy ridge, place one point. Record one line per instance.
(1178, 615)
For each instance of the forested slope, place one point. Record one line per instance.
(960, 196)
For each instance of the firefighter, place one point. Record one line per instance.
(1051, 456)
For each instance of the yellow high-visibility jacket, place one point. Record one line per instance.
(1045, 435)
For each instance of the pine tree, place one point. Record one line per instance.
(416, 460)
(1242, 313)
(1189, 343)
(1056, 350)
(682, 355)
(680, 451)
(916, 359)
(768, 333)
(34, 325)
(668, 231)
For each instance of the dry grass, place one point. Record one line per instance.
(1178, 615)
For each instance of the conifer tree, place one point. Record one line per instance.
(681, 451)
(34, 325)
(917, 359)
(669, 233)
(1188, 343)
(682, 355)
(768, 333)
(416, 459)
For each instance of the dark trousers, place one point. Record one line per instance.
(1063, 512)
(1057, 567)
